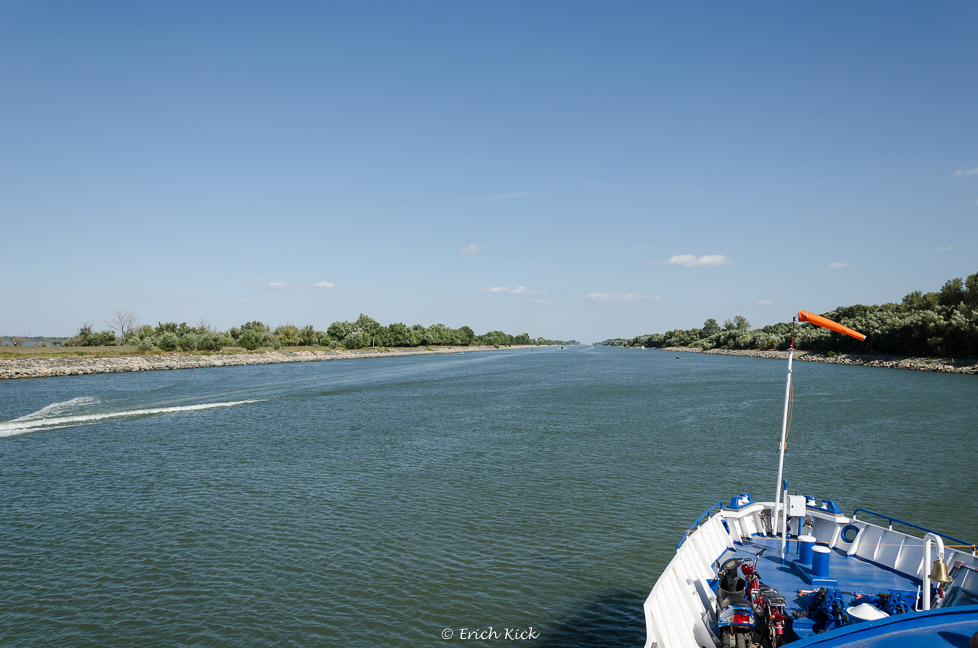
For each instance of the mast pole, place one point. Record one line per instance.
(784, 432)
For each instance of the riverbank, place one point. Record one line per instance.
(46, 367)
(944, 365)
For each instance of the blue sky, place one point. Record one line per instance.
(568, 169)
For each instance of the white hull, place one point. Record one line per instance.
(680, 610)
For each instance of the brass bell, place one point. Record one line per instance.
(939, 573)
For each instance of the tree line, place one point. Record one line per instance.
(362, 333)
(936, 324)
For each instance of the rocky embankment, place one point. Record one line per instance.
(946, 365)
(44, 367)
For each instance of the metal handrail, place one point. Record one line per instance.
(924, 529)
(696, 523)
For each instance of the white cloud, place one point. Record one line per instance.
(690, 261)
(280, 285)
(837, 265)
(325, 284)
(944, 249)
(765, 302)
(469, 251)
(966, 172)
(616, 297)
(519, 290)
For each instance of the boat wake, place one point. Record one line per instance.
(64, 414)
(63, 408)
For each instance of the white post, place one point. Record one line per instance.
(784, 437)
(940, 553)
(784, 534)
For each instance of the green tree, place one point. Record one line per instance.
(209, 341)
(165, 327)
(369, 326)
(259, 327)
(382, 337)
(952, 293)
(168, 341)
(326, 341)
(402, 336)
(288, 335)
(971, 290)
(309, 336)
(466, 336)
(357, 339)
(439, 334)
(187, 342)
(339, 330)
(250, 339)
(420, 334)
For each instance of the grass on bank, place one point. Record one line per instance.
(122, 352)
(10, 352)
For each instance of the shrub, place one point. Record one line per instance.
(187, 342)
(209, 341)
(356, 340)
(145, 344)
(250, 340)
(168, 342)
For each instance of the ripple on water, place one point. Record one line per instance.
(378, 503)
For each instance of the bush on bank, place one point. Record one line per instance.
(362, 333)
(934, 324)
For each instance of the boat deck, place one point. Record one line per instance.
(869, 568)
(851, 575)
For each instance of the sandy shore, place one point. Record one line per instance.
(945, 365)
(45, 367)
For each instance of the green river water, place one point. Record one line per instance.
(508, 498)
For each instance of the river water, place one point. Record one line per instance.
(518, 497)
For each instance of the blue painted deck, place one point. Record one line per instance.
(855, 576)
(949, 628)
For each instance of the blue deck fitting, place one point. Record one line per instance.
(738, 502)
(944, 628)
(848, 574)
(827, 506)
(819, 572)
(805, 550)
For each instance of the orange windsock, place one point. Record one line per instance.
(818, 320)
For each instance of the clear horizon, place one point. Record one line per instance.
(569, 170)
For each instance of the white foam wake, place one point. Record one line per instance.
(34, 422)
(58, 409)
